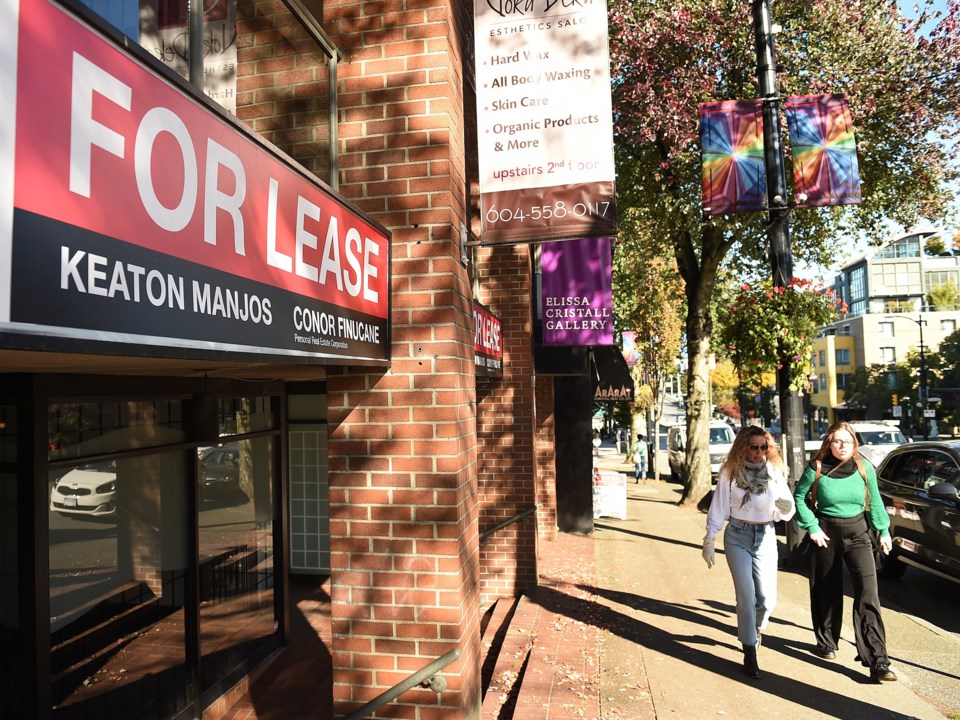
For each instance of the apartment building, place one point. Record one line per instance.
(887, 291)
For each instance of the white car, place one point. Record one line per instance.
(876, 439)
(721, 440)
(87, 491)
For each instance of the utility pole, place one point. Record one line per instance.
(778, 231)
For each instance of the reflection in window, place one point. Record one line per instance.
(83, 429)
(945, 470)
(246, 415)
(119, 560)
(237, 613)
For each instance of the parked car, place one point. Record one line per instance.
(877, 439)
(87, 491)
(919, 484)
(219, 472)
(721, 440)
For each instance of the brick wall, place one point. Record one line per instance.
(546, 461)
(404, 543)
(506, 461)
(282, 83)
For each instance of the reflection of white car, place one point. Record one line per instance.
(86, 491)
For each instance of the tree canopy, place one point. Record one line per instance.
(904, 95)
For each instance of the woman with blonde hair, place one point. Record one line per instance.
(751, 495)
(846, 505)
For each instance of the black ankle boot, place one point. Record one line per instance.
(750, 666)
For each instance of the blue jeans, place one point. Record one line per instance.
(751, 552)
(640, 468)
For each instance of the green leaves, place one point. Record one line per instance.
(764, 327)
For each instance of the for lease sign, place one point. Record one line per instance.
(142, 218)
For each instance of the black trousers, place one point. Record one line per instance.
(850, 542)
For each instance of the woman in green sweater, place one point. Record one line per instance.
(848, 505)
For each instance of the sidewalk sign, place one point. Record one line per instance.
(609, 495)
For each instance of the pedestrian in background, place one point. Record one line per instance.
(640, 457)
(844, 505)
(751, 495)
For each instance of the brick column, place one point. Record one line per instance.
(506, 419)
(546, 461)
(404, 543)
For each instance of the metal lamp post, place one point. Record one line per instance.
(778, 232)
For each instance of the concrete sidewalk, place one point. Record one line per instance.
(665, 630)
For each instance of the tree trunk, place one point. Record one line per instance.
(700, 276)
(696, 474)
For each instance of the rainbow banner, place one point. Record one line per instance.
(731, 136)
(825, 169)
(628, 340)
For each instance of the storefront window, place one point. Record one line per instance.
(136, 577)
(10, 654)
(84, 429)
(237, 613)
(247, 415)
(119, 566)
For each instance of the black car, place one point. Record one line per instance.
(220, 472)
(919, 483)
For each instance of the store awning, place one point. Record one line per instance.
(611, 377)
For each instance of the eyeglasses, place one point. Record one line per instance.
(758, 447)
(841, 443)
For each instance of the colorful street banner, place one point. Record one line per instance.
(142, 222)
(731, 138)
(577, 292)
(628, 339)
(825, 168)
(544, 120)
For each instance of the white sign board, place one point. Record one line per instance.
(544, 120)
(609, 495)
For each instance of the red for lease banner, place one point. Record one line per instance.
(145, 217)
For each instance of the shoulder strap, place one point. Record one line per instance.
(816, 481)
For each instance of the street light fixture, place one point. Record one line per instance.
(923, 390)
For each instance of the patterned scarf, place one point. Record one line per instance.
(752, 478)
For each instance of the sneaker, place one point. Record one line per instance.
(882, 673)
(825, 653)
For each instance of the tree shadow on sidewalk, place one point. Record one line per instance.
(650, 636)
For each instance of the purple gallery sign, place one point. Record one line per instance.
(577, 292)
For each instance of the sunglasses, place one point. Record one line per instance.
(758, 447)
